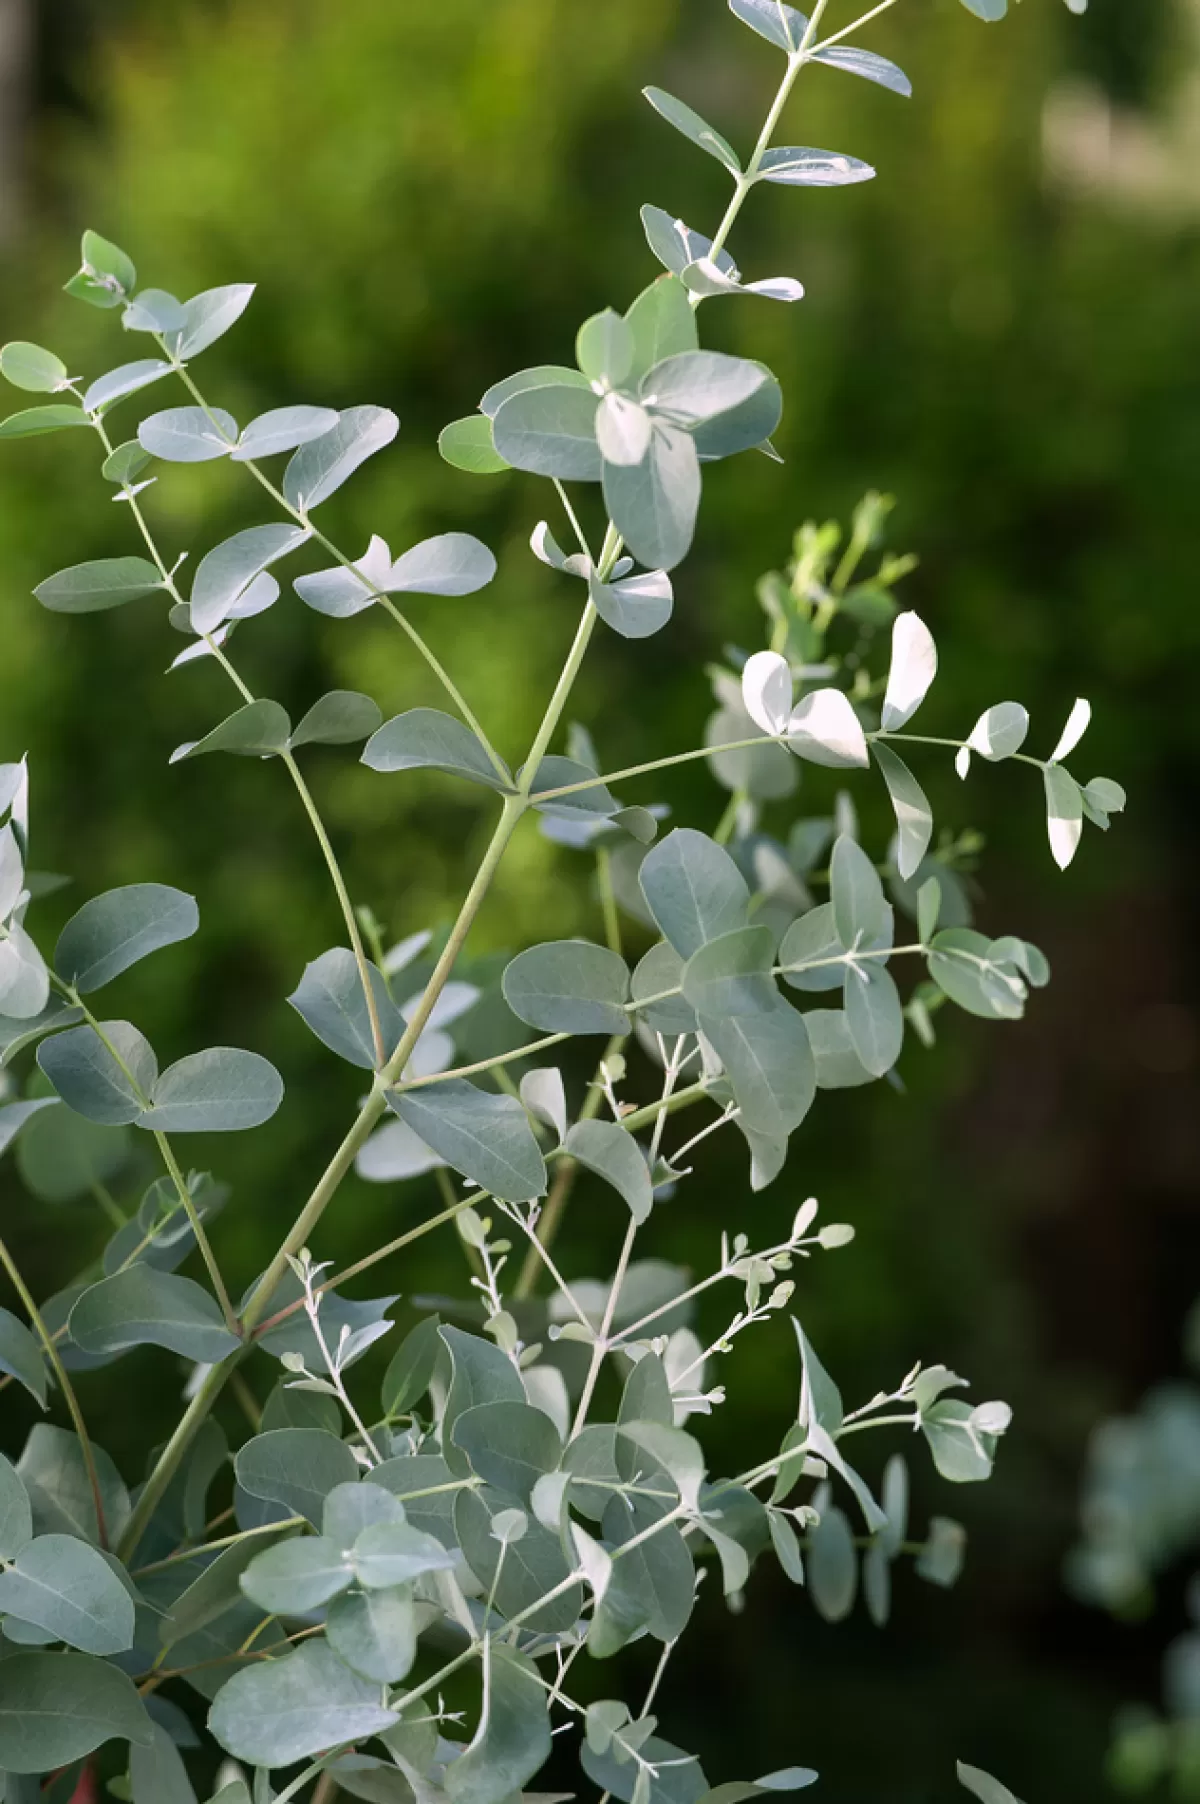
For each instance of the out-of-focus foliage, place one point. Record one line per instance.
(1014, 355)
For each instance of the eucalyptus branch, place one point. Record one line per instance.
(645, 415)
(302, 790)
(346, 563)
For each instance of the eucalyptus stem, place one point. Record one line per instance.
(287, 759)
(749, 175)
(202, 1240)
(64, 1384)
(347, 907)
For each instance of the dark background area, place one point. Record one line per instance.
(1003, 330)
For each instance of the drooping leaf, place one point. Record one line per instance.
(228, 570)
(109, 1087)
(654, 503)
(330, 999)
(1064, 814)
(424, 739)
(875, 1017)
(693, 889)
(605, 1148)
(320, 467)
(833, 1565)
(221, 1091)
(623, 429)
(55, 1708)
(188, 435)
(115, 930)
(694, 128)
(484, 1136)
(512, 1742)
(259, 730)
(282, 1711)
(67, 1588)
(143, 1306)
(838, 1064)
(769, 1063)
(90, 588)
(295, 1467)
(914, 816)
(569, 986)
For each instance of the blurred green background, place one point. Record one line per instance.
(1003, 330)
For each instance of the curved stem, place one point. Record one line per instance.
(202, 1240)
(64, 1383)
(344, 902)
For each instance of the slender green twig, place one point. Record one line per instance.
(64, 1384)
(302, 789)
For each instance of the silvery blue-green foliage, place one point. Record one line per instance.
(1140, 1518)
(529, 1487)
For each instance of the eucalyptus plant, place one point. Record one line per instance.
(529, 1493)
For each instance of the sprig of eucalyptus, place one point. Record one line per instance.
(529, 1488)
